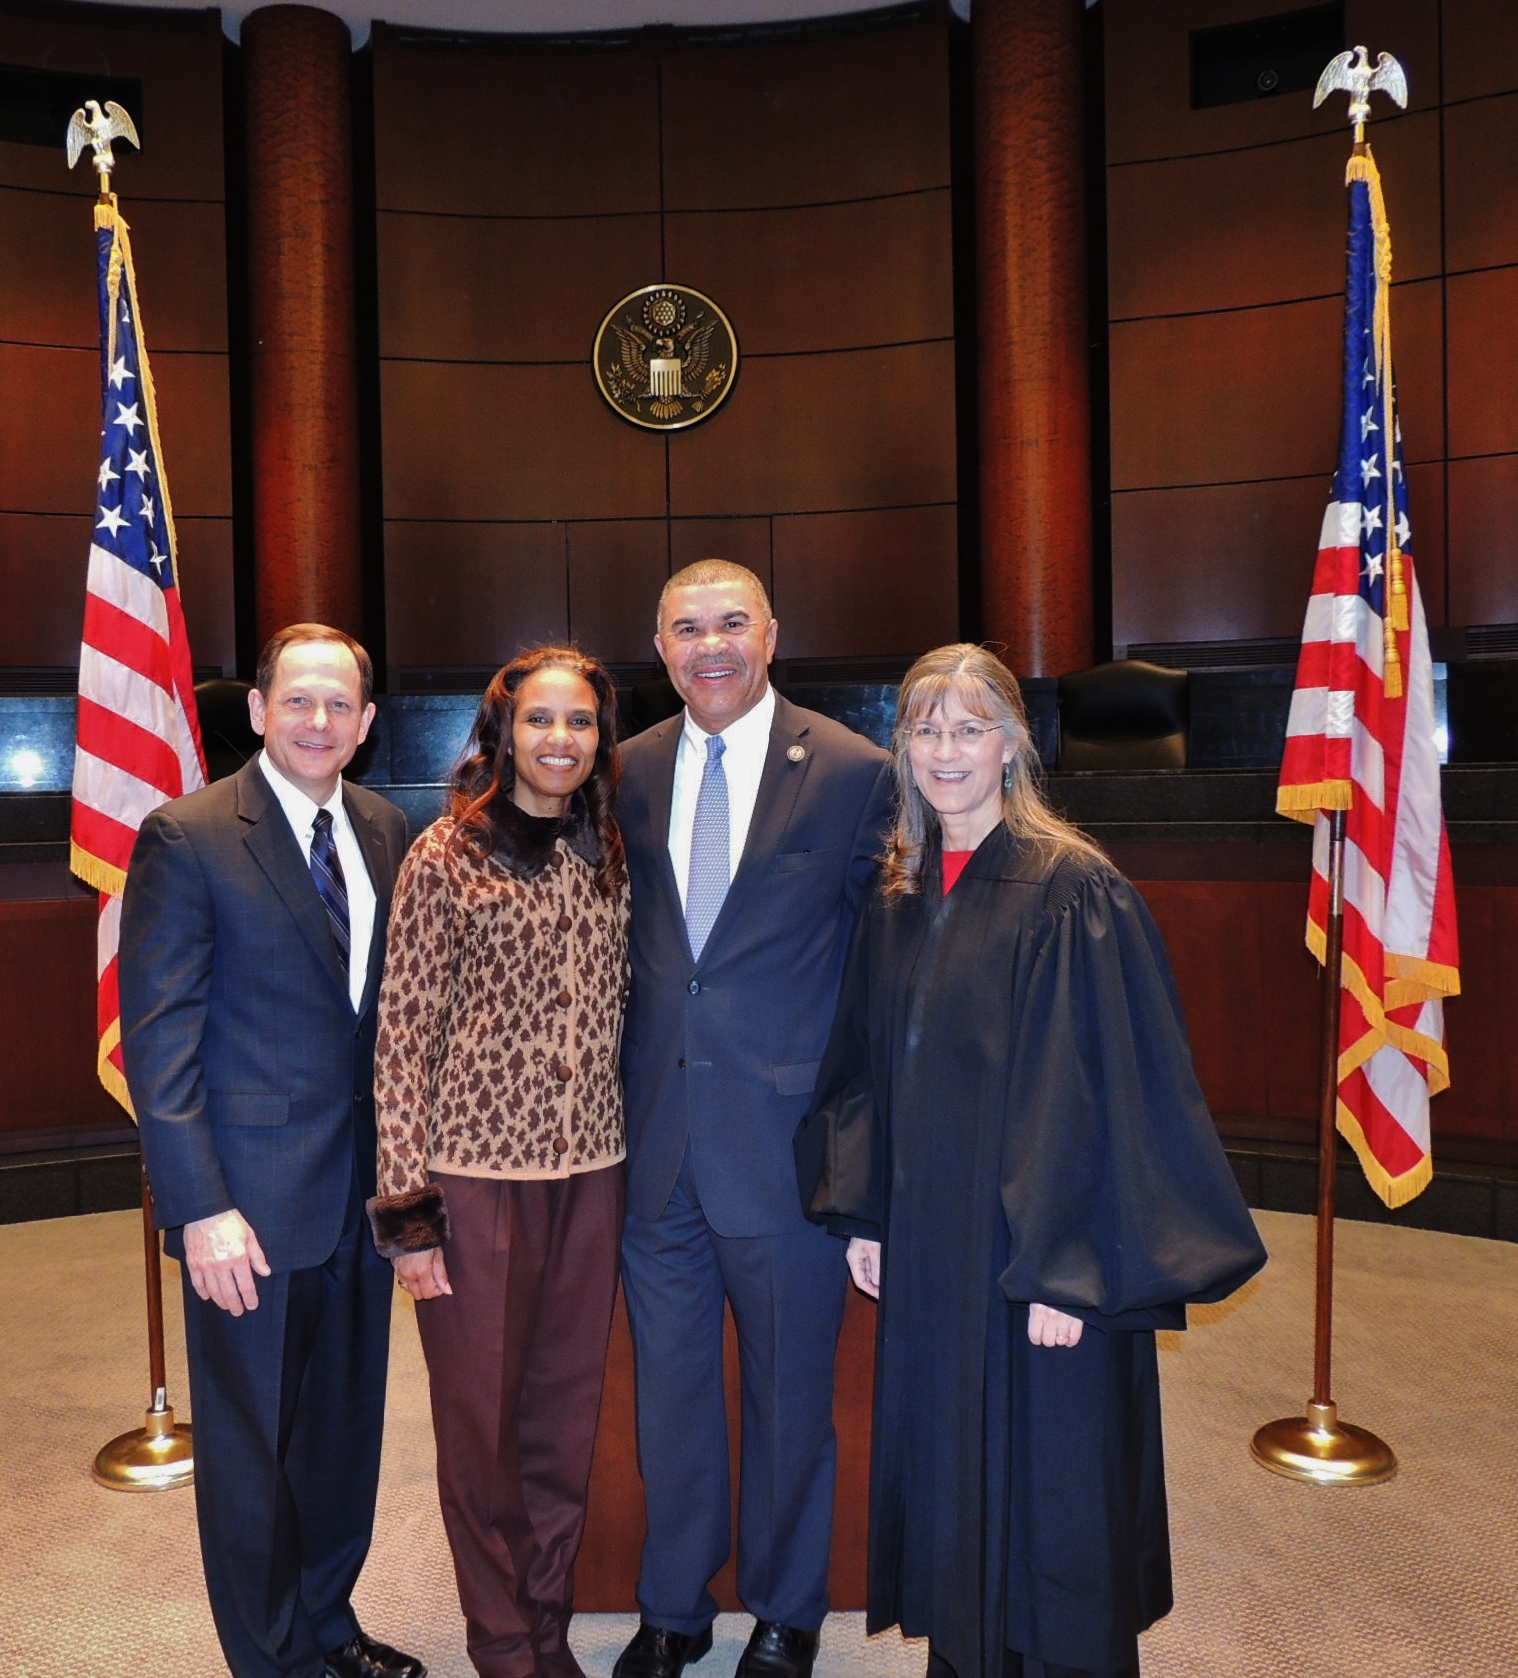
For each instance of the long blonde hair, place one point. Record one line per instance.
(986, 688)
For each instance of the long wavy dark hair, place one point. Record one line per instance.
(486, 774)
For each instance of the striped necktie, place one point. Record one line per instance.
(710, 859)
(327, 872)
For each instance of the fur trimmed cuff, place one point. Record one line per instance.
(411, 1222)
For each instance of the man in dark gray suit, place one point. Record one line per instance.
(252, 941)
(751, 829)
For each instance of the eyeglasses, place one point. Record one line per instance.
(964, 734)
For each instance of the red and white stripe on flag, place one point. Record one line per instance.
(1362, 738)
(138, 736)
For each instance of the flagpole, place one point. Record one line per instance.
(159, 1455)
(1318, 1446)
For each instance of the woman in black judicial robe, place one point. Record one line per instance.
(1008, 1128)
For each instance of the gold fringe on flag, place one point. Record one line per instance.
(1302, 803)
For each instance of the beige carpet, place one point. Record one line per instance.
(1415, 1579)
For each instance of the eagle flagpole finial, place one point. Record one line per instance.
(1352, 72)
(99, 129)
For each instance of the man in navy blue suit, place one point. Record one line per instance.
(252, 940)
(751, 828)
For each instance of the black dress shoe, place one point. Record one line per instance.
(656, 1653)
(364, 1657)
(777, 1651)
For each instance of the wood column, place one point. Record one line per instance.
(297, 67)
(1035, 408)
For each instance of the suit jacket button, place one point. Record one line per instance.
(565, 1073)
(564, 999)
(560, 1146)
(565, 923)
(694, 987)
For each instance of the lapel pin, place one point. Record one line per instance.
(795, 753)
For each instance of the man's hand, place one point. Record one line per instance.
(423, 1275)
(864, 1265)
(221, 1254)
(1048, 1327)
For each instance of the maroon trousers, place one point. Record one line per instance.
(516, 1356)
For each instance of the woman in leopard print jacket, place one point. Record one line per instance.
(501, 1138)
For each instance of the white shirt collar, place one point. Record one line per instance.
(751, 730)
(299, 806)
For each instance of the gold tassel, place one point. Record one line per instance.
(1396, 593)
(1391, 676)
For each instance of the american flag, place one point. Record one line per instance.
(1361, 738)
(138, 740)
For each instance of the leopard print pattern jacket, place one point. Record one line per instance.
(500, 1019)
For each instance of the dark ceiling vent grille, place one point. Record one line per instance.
(1264, 57)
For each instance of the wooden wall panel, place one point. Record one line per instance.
(179, 63)
(464, 441)
(1480, 48)
(1261, 395)
(1212, 931)
(194, 427)
(1149, 111)
(1479, 1100)
(42, 566)
(1481, 141)
(823, 276)
(1425, 499)
(473, 593)
(1291, 1031)
(805, 187)
(873, 582)
(606, 1572)
(743, 541)
(1212, 563)
(205, 588)
(515, 290)
(616, 570)
(1483, 540)
(49, 445)
(569, 134)
(47, 1000)
(1483, 363)
(806, 123)
(818, 433)
(1237, 229)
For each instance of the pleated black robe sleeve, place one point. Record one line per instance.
(1119, 1199)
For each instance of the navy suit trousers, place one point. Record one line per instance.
(787, 1297)
(288, 1404)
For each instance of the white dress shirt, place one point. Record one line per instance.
(301, 811)
(748, 743)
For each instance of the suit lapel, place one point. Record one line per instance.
(661, 797)
(275, 848)
(382, 876)
(779, 787)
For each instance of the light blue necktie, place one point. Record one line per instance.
(710, 857)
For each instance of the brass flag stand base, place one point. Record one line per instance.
(157, 1456)
(1318, 1447)
(1321, 1448)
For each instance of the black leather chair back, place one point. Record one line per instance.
(225, 731)
(1126, 715)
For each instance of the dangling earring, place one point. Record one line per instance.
(1006, 776)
